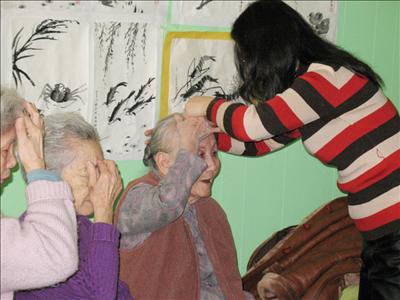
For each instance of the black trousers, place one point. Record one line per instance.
(380, 273)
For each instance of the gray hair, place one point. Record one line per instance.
(11, 107)
(61, 129)
(161, 140)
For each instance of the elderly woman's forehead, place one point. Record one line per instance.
(208, 141)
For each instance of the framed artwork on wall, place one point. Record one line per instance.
(196, 63)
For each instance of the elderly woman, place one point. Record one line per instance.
(72, 150)
(42, 249)
(176, 242)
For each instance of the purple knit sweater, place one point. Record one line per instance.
(97, 277)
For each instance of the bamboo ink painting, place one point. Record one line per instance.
(125, 80)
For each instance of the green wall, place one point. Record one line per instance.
(263, 195)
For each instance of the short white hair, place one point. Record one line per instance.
(162, 137)
(11, 107)
(61, 131)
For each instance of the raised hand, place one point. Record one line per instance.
(192, 130)
(30, 130)
(105, 184)
(197, 106)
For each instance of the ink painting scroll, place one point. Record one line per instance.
(125, 71)
(197, 64)
(96, 58)
(49, 63)
(97, 6)
(321, 15)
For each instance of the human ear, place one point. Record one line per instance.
(163, 162)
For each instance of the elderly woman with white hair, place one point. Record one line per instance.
(176, 242)
(42, 249)
(73, 151)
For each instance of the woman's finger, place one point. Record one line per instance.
(33, 113)
(215, 130)
(30, 127)
(41, 123)
(91, 169)
(20, 130)
(102, 167)
(112, 167)
(29, 107)
(148, 132)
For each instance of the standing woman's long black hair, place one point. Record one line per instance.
(272, 40)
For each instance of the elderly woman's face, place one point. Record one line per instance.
(207, 151)
(7, 158)
(76, 174)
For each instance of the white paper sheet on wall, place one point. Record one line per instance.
(48, 5)
(207, 12)
(200, 67)
(108, 6)
(125, 85)
(103, 66)
(49, 63)
(153, 7)
(320, 14)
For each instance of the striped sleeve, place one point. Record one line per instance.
(312, 96)
(258, 148)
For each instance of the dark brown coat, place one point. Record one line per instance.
(165, 266)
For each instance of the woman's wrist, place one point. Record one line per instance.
(42, 174)
(104, 215)
(36, 165)
(105, 232)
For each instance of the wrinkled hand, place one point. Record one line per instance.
(191, 131)
(197, 106)
(30, 130)
(105, 184)
(206, 128)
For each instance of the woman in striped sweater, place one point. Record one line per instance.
(301, 86)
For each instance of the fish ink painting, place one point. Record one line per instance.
(49, 63)
(136, 101)
(125, 86)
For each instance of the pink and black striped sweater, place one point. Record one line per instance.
(345, 121)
